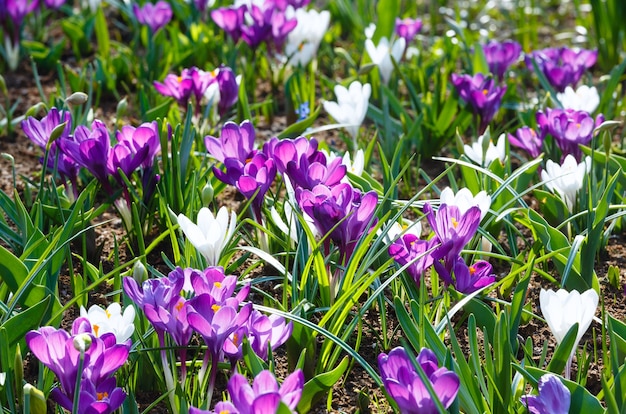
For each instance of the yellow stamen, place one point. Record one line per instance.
(217, 284)
(179, 305)
(215, 308)
(107, 313)
(472, 270)
(179, 79)
(96, 328)
(455, 223)
(102, 395)
(485, 92)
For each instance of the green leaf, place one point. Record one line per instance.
(387, 11)
(563, 351)
(319, 385)
(297, 129)
(479, 61)
(12, 271)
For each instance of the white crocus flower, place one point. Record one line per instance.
(566, 179)
(12, 52)
(464, 200)
(351, 106)
(212, 233)
(290, 228)
(3, 376)
(381, 55)
(562, 309)
(398, 229)
(304, 40)
(585, 98)
(370, 30)
(355, 167)
(475, 151)
(111, 320)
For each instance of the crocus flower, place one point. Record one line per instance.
(566, 179)
(481, 93)
(39, 132)
(351, 106)
(212, 233)
(408, 28)
(179, 87)
(54, 4)
(111, 320)
(409, 248)
(553, 397)
(303, 41)
(403, 383)
(584, 98)
(464, 199)
(228, 89)
(569, 128)
(467, 279)
(136, 139)
(501, 55)
(382, 53)
(265, 395)
(562, 66)
(562, 309)
(477, 154)
(155, 16)
(342, 209)
(527, 139)
(90, 149)
(265, 331)
(161, 302)
(230, 19)
(235, 142)
(17, 10)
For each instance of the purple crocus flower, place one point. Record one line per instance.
(341, 210)
(404, 385)
(501, 55)
(215, 322)
(267, 331)
(553, 397)
(144, 138)
(569, 128)
(408, 28)
(161, 301)
(39, 132)
(90, 149)
(222, 407)
(467, 279)
(235, 142)
(230, 20)
(256, 177)
(228, 89)
(527, 139)
(179, 87)
(265, 395)
(56, 349)
(453, 230)
(481, 93)
(17, 10)
(562, 66)
(155, 16)
(408, 248)
(54, 4)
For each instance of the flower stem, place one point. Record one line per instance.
(79, 374)
(167, 373)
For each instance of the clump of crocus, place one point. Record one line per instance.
(482, 94)
(501, 55)
(562, 66)
(212, 233)
(410, 250)
(553, 397)
(12, 18)
(84, 364)
(255, 23)
(155, 16)
(569, 128)
(563, 309)
(265, 395)
(405, 387)
(351, 107)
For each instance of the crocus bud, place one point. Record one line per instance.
(3, 377)
(82, 342)
(77, 98)
(140, 274)
(3, 85)
(33, 110)
(207, 194)
(56, 133)
(37, 399)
